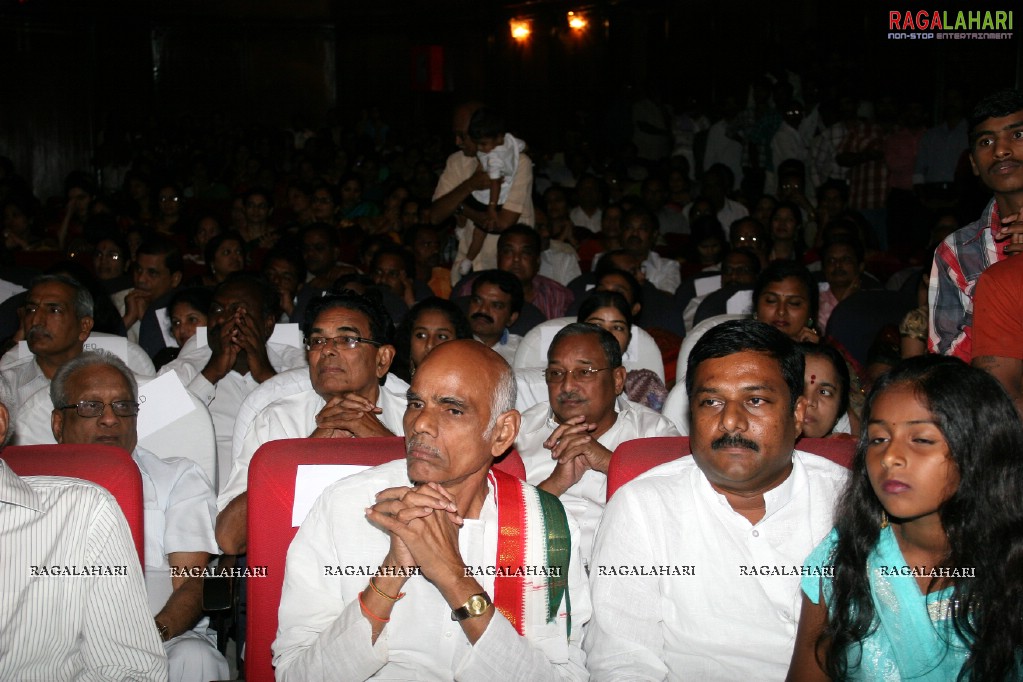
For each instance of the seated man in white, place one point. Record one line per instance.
(352, 395)
(238, 355)
(566, 443)
(57, 321)
(696, 564)
(69, 627)
(457, 616)
(95, 400)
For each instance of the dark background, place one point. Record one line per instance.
(72, 69)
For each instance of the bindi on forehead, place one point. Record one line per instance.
(813, 379)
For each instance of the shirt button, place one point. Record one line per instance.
(447, 634)
(756, 533)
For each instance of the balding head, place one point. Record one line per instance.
(460, 414)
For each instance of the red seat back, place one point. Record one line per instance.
(104, 465)
(271, 492)
(838, 450)
(633, 457)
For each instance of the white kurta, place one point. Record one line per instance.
(324, 636)
(180, 514)
(717, 617)
(225, 398)
(585, 499)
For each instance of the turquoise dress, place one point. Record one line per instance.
(914, 638)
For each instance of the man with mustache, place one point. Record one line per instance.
(347, 392)
(82, 627)
(96, 401)
(394, 573)
(726, 529)
(996, 154)
(494, 306)
(566, 443)
(56, 319)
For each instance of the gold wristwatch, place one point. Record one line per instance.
(476, 606)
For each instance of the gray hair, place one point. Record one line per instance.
(9, 400)
(504, 396)
(84, 304)
(92, 358)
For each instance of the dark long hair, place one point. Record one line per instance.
(982, 519)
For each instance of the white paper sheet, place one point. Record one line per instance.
(311, 479)
(118, 345)
(740, 303)
(163, 401)
(705, 285)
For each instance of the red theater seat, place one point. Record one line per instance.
(105, 465)
(271, 498)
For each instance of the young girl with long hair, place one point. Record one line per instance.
(922, 577)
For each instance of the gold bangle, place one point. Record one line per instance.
(383, 594)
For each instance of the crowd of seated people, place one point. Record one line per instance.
(297, 291)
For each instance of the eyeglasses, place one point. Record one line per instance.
(556, 376)
(90, 409)
(164, 200)
(319, 343)
(112, 255)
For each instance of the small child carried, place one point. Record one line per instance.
(498, 152)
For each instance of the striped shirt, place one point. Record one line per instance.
(73, 603)
(958, 263)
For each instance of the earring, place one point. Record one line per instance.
(884, 519)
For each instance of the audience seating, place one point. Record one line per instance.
(271, 498)
(104, 465)
(632, 458)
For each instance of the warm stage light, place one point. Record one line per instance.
(520, 29)
(576, 21)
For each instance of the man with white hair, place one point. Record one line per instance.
(64, 627)
(95, 400)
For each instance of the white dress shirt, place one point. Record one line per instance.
(560, 262)
(585, 499)
(506, 345)
(180, 515)
(225, 398)
(68, 627)
(716, 618)
(294, 416)
(590, 222)
(323, 635)
(24, 375)
(663, 273)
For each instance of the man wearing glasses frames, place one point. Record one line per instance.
(351, 394)
(95, 400)
(566, 443)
